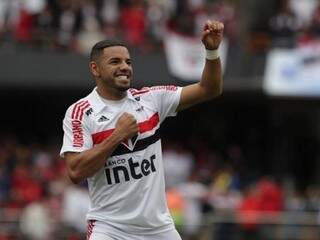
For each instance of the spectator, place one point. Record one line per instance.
(28, 17)
(158, 13)
(174, 156)
(315, 23)
(133, 20)
(68, 20)
(284, 26)
(264, 197)
(176, 205)
(109, 14)
(194, 194)
(221, 10)
(35, 221)
(75, 205)
(303, 9)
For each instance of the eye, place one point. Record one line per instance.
(129, 62)
(114, 61)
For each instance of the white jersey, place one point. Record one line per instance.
(128, 193)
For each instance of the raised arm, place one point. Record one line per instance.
(210, 85)
(85, 164)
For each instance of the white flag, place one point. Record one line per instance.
(186, 56)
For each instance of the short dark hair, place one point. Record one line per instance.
(97, 49)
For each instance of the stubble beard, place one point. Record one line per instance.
(122, 88)
(113, 84)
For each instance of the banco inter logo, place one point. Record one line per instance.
(135, 169)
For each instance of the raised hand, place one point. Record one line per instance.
(212, 34)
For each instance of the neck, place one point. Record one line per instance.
(111, 93)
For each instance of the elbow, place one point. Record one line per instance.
(217, 92)
(75, 176)
(214, 93)
(220, 92)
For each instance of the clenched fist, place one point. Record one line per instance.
(212, 34)
(127, 126)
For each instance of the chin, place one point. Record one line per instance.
(123, 88)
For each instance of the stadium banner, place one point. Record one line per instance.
(186, 56)
(294, 72)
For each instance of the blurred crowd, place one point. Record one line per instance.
(296, 23)
(37, 201)
(34, 189)
(77, 24)
(291, 23)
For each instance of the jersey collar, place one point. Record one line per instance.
(98, 105)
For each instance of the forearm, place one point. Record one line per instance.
(211, 79)
(210, 86)
(87, 163)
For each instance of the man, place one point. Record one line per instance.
(112, 140)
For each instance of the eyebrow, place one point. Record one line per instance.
(117, 58)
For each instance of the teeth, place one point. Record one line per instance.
(122, 77)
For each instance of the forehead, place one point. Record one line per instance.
(116, 52)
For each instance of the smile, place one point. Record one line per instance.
(122, 77)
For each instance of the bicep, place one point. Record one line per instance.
(191, 95)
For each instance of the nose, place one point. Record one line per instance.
(124, 66)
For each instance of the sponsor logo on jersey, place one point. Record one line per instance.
(103, 119)
(89, 111)
(118, 171)
(140, 109)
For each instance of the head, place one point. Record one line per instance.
(110, 64)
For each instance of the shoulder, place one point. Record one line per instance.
(79, 109)
(139, 92)
(167, 88)
(149, 90)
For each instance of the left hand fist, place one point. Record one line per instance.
(212, 34)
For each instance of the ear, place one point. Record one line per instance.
(94, 69)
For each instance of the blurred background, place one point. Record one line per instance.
(243, 166)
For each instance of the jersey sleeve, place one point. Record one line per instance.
(76, 128)
(167, 99)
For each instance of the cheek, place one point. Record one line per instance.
(107, 72)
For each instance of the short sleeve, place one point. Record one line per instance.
(77, 136)
(167, 99)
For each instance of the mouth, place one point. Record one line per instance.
(122, 77)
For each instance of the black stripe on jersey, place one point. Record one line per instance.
(140, 144)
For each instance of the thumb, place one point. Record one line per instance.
(205, 33)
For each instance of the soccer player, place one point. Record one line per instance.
(111, 138)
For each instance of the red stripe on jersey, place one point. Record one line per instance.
(164, 87)
(82, 110)
(75, 107)
(100, 136)
(79, 109)
(144, 126)
(141, 91)
(90, 228)
(149, 124)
